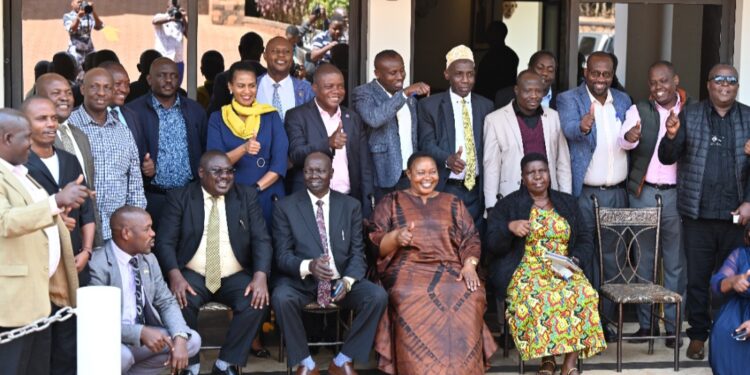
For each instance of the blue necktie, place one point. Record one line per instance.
(276, 101)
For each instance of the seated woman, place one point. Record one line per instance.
(429, 251)
(253, 137)
(547, 314)
(726, 354)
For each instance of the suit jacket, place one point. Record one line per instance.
(506, 94)
(148, 141)
(162, 307)
(296, 237)
(303, 92)
(181, 228)
(572, 106)
(307, 134)
(221, 95)
(82, 140)
(437, 132)
(503, 151)
(134, 124)
(378, 111)
(24, 254)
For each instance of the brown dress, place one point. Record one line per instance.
(434, 324)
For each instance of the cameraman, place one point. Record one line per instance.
(170, 28)
(79, 22)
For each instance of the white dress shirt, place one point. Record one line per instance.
(286, 92)
(129, 311)
(65, 128)
(403, 117)
(228, 262)
(609, 163)
(38, 194)
(458, 124)
(53, 165)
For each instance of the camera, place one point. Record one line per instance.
(174, 11)
(87, 8)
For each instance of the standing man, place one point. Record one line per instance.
(320, 256)
(326, 40)
(140, 86)
(214, 246)
(324, 125)
(36, 257)
(707, 141)
(521, 128)
(390, 112)
(170, 28)
(450, 130)
(278, 88)
(641, 134)
(154, 334)
(118, 178)
(544, 64)
(79, 23)
(173, 135)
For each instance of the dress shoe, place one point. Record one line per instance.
(302, 370)
(609, 335)
(669, 343)
(641, 333)
(346, 369)
(231, 370)
(695, 350)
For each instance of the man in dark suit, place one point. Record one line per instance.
(450, 130)
(318, 232)
(250, 49)
(157, 336)
(69, 138)
(542, 63)
(324, 125)
(172, 134)
(390, 112)
(214, 246)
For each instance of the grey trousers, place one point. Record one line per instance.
(671, 248)
(139, 360)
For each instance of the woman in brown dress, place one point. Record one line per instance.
(429, 251)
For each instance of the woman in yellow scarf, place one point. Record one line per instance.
(253, 137)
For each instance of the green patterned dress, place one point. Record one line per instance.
(548, 315)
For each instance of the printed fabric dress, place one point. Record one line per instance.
(548, 315)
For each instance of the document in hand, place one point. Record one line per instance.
(562, 261)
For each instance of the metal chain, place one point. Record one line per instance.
(39, 325)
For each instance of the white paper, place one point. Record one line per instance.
(98, 330)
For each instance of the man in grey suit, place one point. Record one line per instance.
(390, 112)
(69, 138)
(154, 334)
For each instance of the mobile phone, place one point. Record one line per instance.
(740, 335)
(337, 290)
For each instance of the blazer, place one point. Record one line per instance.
(24, 254)
(296, 237)
(134, 124)
(503, 151)
(505, 250)
(181, 228)
(303, 91)
(378, 112)
(162, 308)
(69, 172)
(82, 141)
(307, 134)
(437, 132)
(572, 106)
(148, 141)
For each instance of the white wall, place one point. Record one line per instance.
(742, 55)
(389, 27)
(524, 31)
(2, 59)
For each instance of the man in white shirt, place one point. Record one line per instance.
(170, 28)
(278, 88)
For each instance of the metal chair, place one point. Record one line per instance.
(628, 226)
(314, 308)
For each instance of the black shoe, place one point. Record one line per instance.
(609, 335)
(231, 370)
(669, 343)
(641, 333)
(260, 353)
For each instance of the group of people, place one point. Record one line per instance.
(278, 196)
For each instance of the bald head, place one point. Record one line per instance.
(97, 93)
(120, 81)
(43, 83)
(131, 230)
(722, 67)
(14, 136)
(326, 69)
(57, 89)
(32, 101)
(318, 172)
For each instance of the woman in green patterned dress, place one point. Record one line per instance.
(549, 314)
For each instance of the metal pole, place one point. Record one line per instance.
(98, 330)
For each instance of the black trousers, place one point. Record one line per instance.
(26, 355)
(472, 200)
(154, 204)
(707, 245)
(63, 354)
(245, 322)
(366, 299)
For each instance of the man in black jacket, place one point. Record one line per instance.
(214, 246)
(707, 143)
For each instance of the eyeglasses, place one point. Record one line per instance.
(218, 172)
(729, 80)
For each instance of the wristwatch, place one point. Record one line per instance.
(181, 334)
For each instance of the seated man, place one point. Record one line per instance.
(154, 334)
(334, 257)
(214, 246)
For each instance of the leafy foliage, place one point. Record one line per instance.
(295, 11)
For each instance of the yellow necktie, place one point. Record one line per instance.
(213, 260)
(471, 160)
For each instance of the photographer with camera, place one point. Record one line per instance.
(170, 28)
(79, 22)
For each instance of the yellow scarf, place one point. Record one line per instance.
(230, 113)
